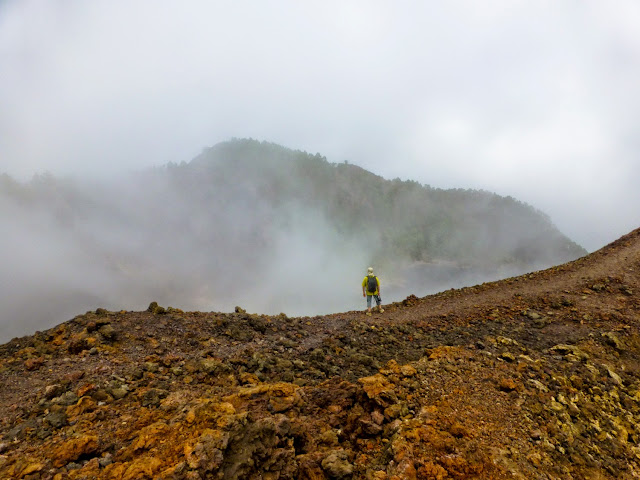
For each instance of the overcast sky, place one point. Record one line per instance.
(535, 99)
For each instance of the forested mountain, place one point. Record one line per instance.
(394, 218)
(254, 224)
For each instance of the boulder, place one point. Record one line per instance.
(565, 350)
(73, 449)
(337, 465)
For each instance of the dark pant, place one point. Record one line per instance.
(377, 297)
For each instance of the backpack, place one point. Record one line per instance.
(372, 284)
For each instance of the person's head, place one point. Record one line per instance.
(370, 271)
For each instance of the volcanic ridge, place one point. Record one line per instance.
(532, 377)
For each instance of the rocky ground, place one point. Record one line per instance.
(534, 377)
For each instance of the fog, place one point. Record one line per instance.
(122, 244)
(204, 237)
(533, 99)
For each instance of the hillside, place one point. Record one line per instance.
(532, 377)
(247, 223)
(397, 219)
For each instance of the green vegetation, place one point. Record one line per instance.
(392, 218)
(236, 201)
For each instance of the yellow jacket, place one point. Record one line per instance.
(365, 282)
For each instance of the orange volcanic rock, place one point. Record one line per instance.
(533, 377)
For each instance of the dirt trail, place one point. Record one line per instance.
(621, 259)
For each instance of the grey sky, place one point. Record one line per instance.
(535, 99)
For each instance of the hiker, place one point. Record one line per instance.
(371, 288)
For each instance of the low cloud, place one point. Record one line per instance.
(532, 100)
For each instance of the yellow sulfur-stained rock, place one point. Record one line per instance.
(375, 385)
(90, 470)
(115, 471)
(282, 396)
(23, 468)
(191, 416)
(225, 408)
(142, 468)
(282, 404)
(432, 471)
(408, 370)
(207, 411)
(281, 389)
(73, 449)
(407, 469)
(441, 352)
(173, 472)
(150, 435)
(84, 404)
(392, 367)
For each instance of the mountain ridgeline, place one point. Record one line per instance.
(394, 219)
(253, 224)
